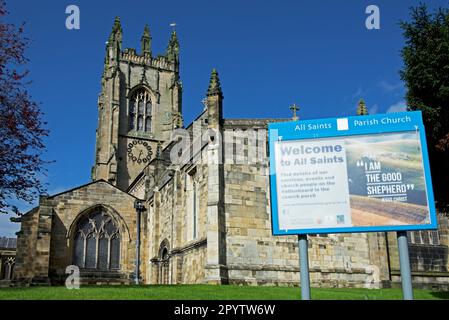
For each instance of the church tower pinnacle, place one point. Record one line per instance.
(114, 43)
(214, 84)
(173, 48)
(146, 41)
(214, 100)
(116, 33)
(361, 108)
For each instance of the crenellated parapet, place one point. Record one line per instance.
(169, 61)
(160, 62)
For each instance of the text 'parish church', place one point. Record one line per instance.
(206, 220)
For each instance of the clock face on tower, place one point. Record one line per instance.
(139, 151)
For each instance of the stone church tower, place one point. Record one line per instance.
(138, 107)
(94, 225)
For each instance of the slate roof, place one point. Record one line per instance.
(8, 243)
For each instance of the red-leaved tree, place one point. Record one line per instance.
(21, 126)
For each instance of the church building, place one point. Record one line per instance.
(204, 218)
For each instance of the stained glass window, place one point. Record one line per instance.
(7, 269)
(148, 108)
(96, 244)
(140, 123)
(79, 250)
(103, 253)
(91, 252)
(115, 253)
(131, 114)
(140, 99)
(148, 124)
(141, 104)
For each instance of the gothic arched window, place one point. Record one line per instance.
(164, 263)
(143, 115)
(195, 209)
(6, 272)
(149, 115)
(96, 244)
(192, 205)
(131, 115)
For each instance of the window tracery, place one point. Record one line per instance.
(140, 119)
(97, 243)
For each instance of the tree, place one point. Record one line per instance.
(21, 126)
(426, 75)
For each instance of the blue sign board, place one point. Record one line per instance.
(350, 174)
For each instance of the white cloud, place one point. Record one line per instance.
(397, 107)
(373, 109)
(389, 86)
(360, 93)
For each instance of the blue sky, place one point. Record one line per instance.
(268, 53)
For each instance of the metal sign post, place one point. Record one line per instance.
(304, 266)
(404, 261)
(138, 205)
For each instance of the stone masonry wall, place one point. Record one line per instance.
(26, 246)
(254, 256)
(170, 222)
(46, 239)
(68, 206)
(428, 257)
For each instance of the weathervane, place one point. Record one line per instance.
(294, 108)
(173, 25)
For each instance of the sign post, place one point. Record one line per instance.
(347, 175)
(404, 261)
(304, 266)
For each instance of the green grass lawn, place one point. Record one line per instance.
(205, 292)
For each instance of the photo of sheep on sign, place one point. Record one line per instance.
(386, 180)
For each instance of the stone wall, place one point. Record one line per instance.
(190, 263)
(170, 224)
(26, 245)
(429, 256)
(33, 245)
(45, 243)
(347, 260)
(254, 256)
